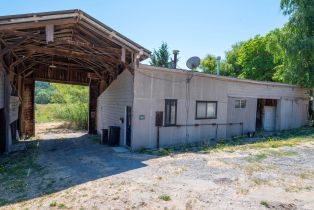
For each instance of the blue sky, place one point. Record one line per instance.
(195, 27)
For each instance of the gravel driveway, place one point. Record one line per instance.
(81, 174)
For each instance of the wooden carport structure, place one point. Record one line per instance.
(69, 47)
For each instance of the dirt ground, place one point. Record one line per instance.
(78, 173)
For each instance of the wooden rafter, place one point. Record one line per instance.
(13, 46)
(69, 53)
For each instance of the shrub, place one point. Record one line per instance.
(75, 113)
(165, 197)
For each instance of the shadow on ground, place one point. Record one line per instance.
(52, 165)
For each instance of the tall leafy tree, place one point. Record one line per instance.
(209, 64)
(299, 42)
(231, 64)
(256, 60)
(162, 57)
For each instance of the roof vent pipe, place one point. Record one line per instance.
(175, 58)
(218, 65)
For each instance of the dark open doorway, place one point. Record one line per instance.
(128, 125)
(266, 114)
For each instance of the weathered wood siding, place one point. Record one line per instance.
(28, 112)
(112, 102)
(153, 85)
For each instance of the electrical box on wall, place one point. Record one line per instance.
(159, 118)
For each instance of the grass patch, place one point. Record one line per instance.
(281, 139)
(265, 203)
(53, 204)
(165, 197)
(307, 175)
(62, 206)
(95, 138)
(259, 157)
(14, 169)
(250, 169)
(75, 114)
(45, 112)
(3, 202)
(259, 181)
(271, 153)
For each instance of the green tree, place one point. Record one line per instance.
(69, 93)
(209, 64)
(162, 57)
(299, 42)
(74, 104)
(231, 64)
(256, 60)
(43, 92)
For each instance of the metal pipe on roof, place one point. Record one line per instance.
(218, 65)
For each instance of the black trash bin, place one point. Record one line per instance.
(104, 136)
(114, 135)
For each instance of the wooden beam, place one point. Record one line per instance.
(17, 62)
(29, 25)
(34, 34)
(71, 54)
(100, 48)
(123, 55)
(13, 46)
(27, 68)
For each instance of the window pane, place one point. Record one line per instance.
(167, 113)
(170, 112)
(243, 103)
(173, 113)
(211, 110)
(201, 110)
(237, 104)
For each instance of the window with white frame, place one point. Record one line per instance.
(206, 110)
(240, 103)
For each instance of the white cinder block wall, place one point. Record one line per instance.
(112, 102)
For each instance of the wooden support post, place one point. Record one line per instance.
(93, 95)
(7, 129)
(28, 117)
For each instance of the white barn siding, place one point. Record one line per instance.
(1, 89)
(111, 104)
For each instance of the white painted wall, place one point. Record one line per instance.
(293, 113)
(112, 102)
(1, 89)
(153, 85)
(245, 115)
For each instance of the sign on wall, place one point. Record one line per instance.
(14, 108)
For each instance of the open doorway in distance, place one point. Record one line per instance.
(60, 109)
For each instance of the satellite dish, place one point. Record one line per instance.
(193, 62)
